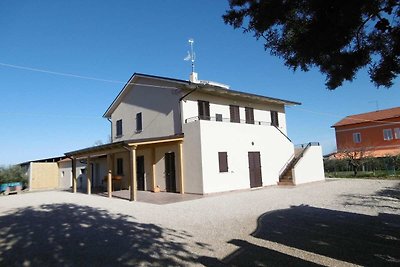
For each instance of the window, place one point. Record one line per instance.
(274, 118)
(357, 138)
(204, 109)
(387, 134)
(249, 115)
(120, 166)
(218, 117)
(235, 116)
(223, 161)
(62, 173)
(139, 122)
(119, 127)
(397, 133)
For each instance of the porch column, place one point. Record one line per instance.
(109, 175)
(153, 158)
(74, 180)
(89, 176)
(133, 182)
(182, 178)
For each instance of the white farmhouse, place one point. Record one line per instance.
(195, 137)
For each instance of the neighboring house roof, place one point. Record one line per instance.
(369, 153)
(205, 88)
(54, 159)
(369, 116)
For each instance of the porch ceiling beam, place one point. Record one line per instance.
(155, 142)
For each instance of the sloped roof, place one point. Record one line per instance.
(210, 89)
(369, 116)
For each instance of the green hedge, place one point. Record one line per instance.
(385, 167)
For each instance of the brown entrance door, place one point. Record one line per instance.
(140, 172)
(255, 169)
(170, 180)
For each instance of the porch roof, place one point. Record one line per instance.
(103, 149)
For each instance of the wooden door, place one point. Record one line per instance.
(140, 172)
(255, 169)
(170, 179)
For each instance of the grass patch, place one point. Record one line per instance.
(384, 175)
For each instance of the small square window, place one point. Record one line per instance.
(218, 117)
(357, 138)
(397, 133)
(387, 134)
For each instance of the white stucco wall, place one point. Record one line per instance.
(237, 140)
(310, 168)
(65, 174)
(221, 106)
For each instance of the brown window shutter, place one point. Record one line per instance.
(223, 161)
(249, 115)
(204, 109)
(274, 118)
(235, 115)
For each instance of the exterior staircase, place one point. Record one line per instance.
(286, 177)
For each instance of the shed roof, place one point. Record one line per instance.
(379, 115)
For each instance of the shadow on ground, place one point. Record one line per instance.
(355, 238)
(387, 198)
(73, 235)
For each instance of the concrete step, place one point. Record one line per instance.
(286, 182)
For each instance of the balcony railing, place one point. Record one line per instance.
(219, 119)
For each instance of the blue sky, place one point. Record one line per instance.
(44, 115)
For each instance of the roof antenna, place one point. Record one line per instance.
(192, 57)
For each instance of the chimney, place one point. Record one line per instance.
(193, 77)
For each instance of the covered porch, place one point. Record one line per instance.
(152, 164)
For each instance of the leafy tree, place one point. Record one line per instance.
(12, 174)
(338, 36)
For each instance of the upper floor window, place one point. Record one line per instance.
(235, 115)
(356, 138)
(120, 166)
(387, 134)
(223, 161)
(119, 127)
(204, 109)
(139, 126)
(274, 118)
(397, 133)
(249, 115)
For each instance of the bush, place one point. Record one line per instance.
(12, 174)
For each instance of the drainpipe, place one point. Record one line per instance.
(112, 139)
(196, 86)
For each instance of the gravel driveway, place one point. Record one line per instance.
(341, 222)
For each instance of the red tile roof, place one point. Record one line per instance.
(369, 116)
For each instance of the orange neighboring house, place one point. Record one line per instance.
(377, 133)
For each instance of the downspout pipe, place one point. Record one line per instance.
(196, 86)
(111, 136)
